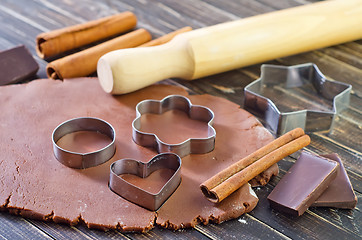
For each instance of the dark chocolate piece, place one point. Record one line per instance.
(305, 181)
(16, 64)
(339, 193)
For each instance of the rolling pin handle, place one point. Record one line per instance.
(127, 70)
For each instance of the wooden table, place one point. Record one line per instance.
(22, 20)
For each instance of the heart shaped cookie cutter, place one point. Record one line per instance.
(175, 102)
(139, 196)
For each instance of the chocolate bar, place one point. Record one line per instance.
(339, 193)
(305, 181)
(16, 64)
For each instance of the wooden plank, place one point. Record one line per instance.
(163, 19)
(352, 48)
(79, 12)
(63, 231)
(354, 112)
(17, 36)
(277, 5)
(354, 139)
(38, 15)
(244, 227)
(348, 219)
(331, 67)
(159, 233)
(344, 54)
(229, 85)
(202, 13)
(241, 9)
(13, 227)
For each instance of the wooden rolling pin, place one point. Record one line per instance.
(232, 45)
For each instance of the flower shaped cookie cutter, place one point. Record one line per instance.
(331, 96)
(181, 103)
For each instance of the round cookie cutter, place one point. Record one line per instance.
(89, 159)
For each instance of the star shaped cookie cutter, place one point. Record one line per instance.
(291, 86)
(175, 102)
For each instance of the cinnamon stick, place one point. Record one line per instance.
(165, 38)
(230, 179)
(58, 41)
(84, 63)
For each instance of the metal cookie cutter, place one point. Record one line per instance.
(175, 102)
(331, 96)
(83, 160)
(144, 198)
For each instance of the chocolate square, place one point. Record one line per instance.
(305, 181)
(340, 192)
(16, 64)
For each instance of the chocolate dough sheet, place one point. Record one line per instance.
(34, 184)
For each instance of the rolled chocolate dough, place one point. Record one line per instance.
(34, 184)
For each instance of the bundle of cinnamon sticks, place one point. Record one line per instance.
(230, 179)
(84, 63)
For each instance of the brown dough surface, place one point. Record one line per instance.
(34, 184)
(173, 127)
(153, 183)
(84, 141)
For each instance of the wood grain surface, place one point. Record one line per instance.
(22, 20)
